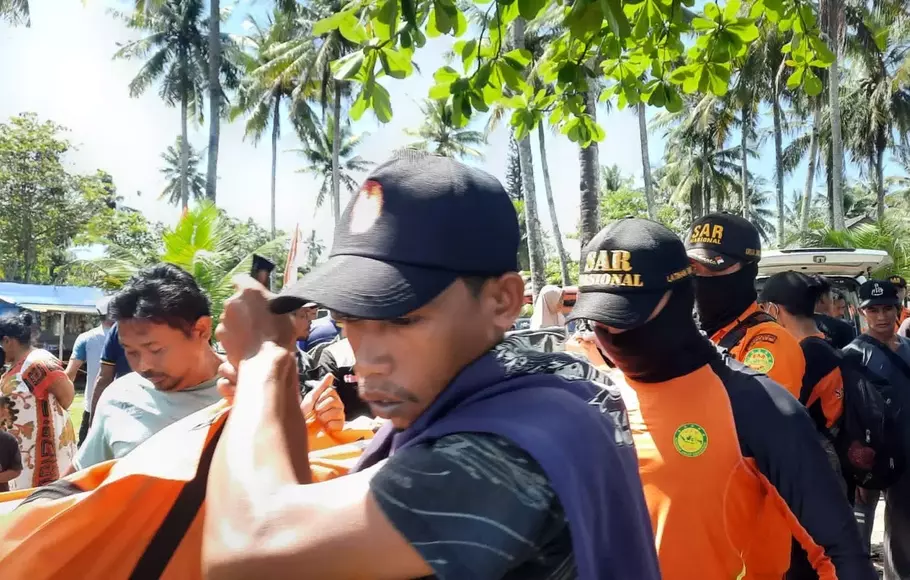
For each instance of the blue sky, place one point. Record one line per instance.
(61, 68)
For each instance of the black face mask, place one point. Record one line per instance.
(719, 300)
(667, 347)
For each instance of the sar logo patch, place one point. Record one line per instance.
(367, 208)
(759, 359)
(690, 440)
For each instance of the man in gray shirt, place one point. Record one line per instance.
(165, 327)
(887, 355)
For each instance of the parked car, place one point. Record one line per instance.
(845, 268)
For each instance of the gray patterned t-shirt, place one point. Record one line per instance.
(476, 506)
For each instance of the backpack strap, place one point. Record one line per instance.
(170, 533)
(895, 358)
(739, 331)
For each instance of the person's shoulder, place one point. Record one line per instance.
(747, 387)
(771, 332)
(39, 355)
(8, 440)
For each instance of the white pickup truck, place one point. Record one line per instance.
(845, 268)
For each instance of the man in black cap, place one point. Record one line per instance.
(725, 249)
(697, 418)
(461, 482)
(887, 355)
(261, 270)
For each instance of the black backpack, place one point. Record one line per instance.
(867, 439)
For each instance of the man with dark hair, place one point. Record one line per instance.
(496, 462)
(887, 355)
(164, 326)
(838, 332)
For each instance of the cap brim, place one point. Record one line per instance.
(880, 302)
(365, 288)
(622, 310)
(714, 261)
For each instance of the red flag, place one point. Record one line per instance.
(290, 268)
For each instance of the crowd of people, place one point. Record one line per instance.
(689, 427)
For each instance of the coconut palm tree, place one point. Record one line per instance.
(439, 135)
(314, 55)
(172, 172)
(876, 99)
(15, 12)
(268, 86)
(831, 20)
(318, 151)
(175, 54)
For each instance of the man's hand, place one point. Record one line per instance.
(324, 406)
(247, 323)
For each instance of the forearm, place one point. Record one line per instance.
(258, 458)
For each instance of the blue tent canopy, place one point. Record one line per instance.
(71, 299)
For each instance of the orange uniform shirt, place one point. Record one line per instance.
(725, 456)
(769, 349)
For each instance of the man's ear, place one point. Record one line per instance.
(506, 295)
(203, 328)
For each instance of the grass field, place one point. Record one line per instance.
(76, 410)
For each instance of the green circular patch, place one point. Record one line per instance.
(690, 440)
(759, 359)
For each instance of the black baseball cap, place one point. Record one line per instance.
(626, 270)
(720, 240)
(418, 223)
(898, 281)
(878, 293)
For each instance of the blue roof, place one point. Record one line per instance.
(51, 298)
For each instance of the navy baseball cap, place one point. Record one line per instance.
(898, 281)
(720, 240)
(878, 293)
(418, 223)
(626, 270)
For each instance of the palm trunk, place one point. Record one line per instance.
(184, 153)
(778, 159)
(810, 173)
(837, 143)
(590, 168)
(526, 158)
(214, 97)
(560, 250)
(276, 130)
(645, 161)
(535, 245)
(880, 178)
(336, 152)
(705, 182)
(829, 184)
(744, 146)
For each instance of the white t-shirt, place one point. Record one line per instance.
(131, 410)
(87, 348)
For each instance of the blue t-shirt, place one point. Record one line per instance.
(321, 330)
(113, 354)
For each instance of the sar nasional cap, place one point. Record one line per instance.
(720, 240)
(626, 270)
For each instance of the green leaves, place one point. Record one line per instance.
(636, 46)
